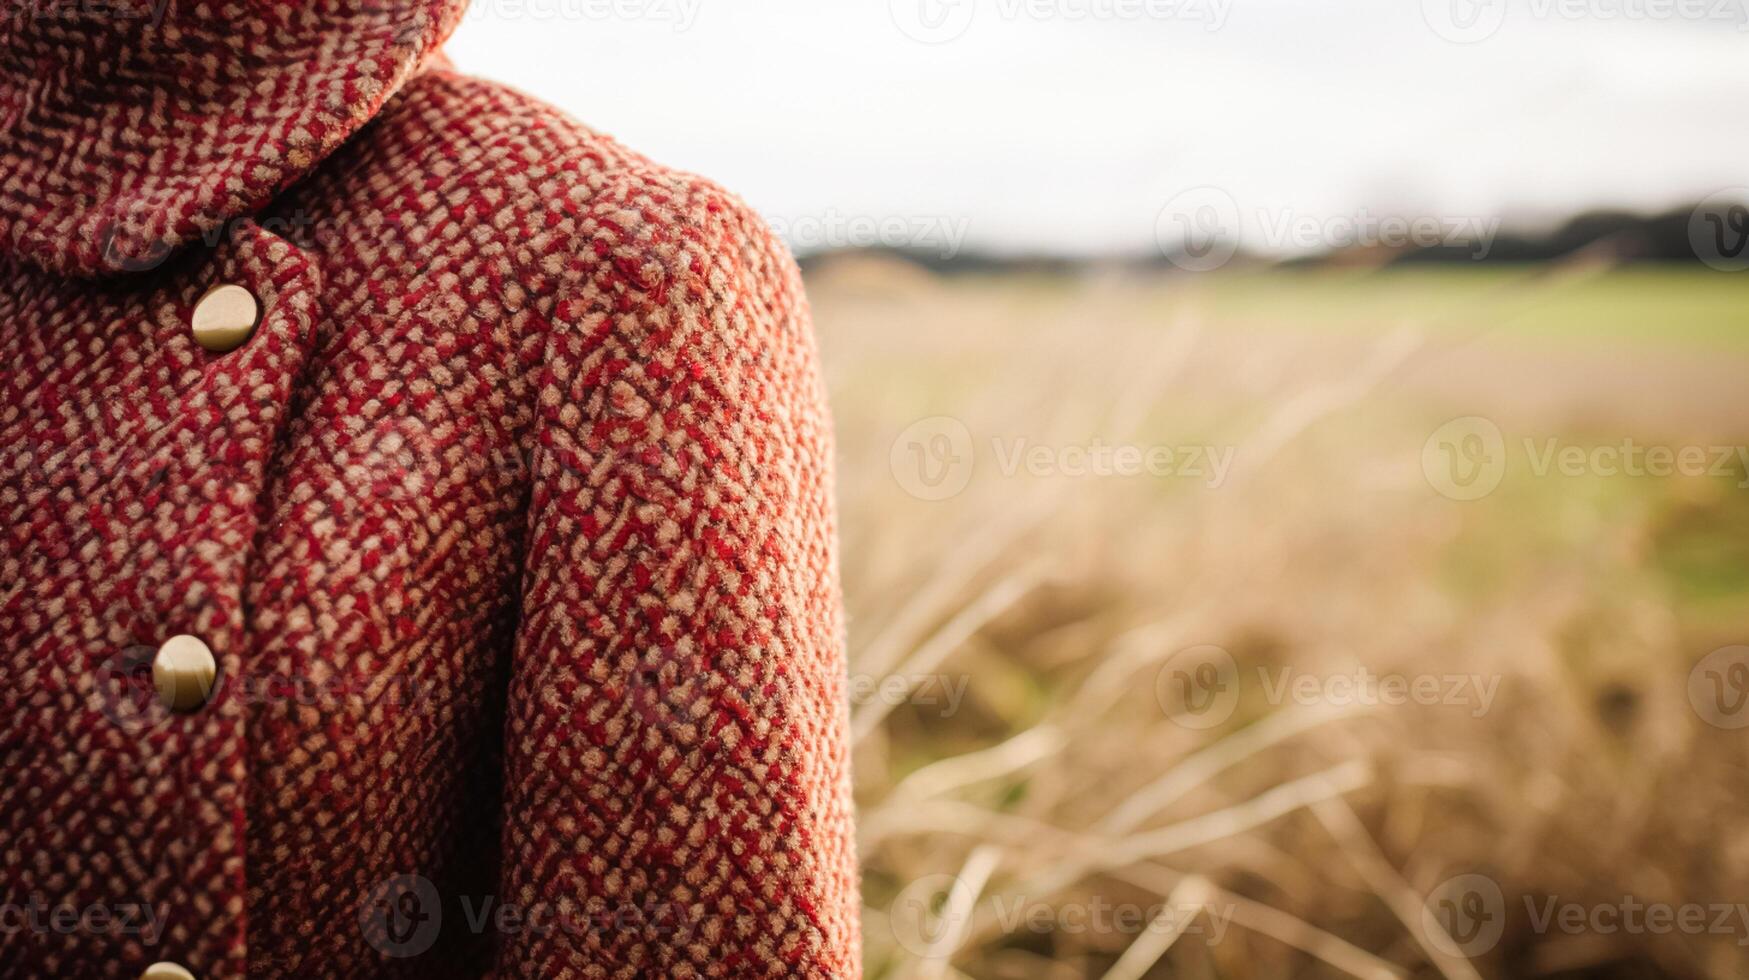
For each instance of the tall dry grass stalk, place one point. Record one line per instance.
(1294, 837)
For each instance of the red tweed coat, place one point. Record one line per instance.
(507, 526)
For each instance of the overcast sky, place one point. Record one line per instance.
(1068, 125)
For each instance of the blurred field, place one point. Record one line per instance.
(1070, 689)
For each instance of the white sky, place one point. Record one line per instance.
(1035, 129)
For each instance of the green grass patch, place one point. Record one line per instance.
(1649, 304)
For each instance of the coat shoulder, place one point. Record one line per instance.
(574, 212)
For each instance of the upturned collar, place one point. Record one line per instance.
(129, 128)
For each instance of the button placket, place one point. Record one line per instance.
(173, 465)
(258, 311)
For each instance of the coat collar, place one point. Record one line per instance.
(130, 127)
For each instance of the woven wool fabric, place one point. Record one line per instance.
(509, 526)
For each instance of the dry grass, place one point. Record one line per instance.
(1008, 832)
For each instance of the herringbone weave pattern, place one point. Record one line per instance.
(510, 526)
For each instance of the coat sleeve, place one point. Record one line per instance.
(677, 779)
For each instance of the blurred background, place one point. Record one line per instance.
(1293, 460)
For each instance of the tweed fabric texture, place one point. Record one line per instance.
(132, 125)
(510, 528)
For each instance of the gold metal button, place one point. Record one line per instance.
(166, 971)
(225, 317)
(183, 672)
